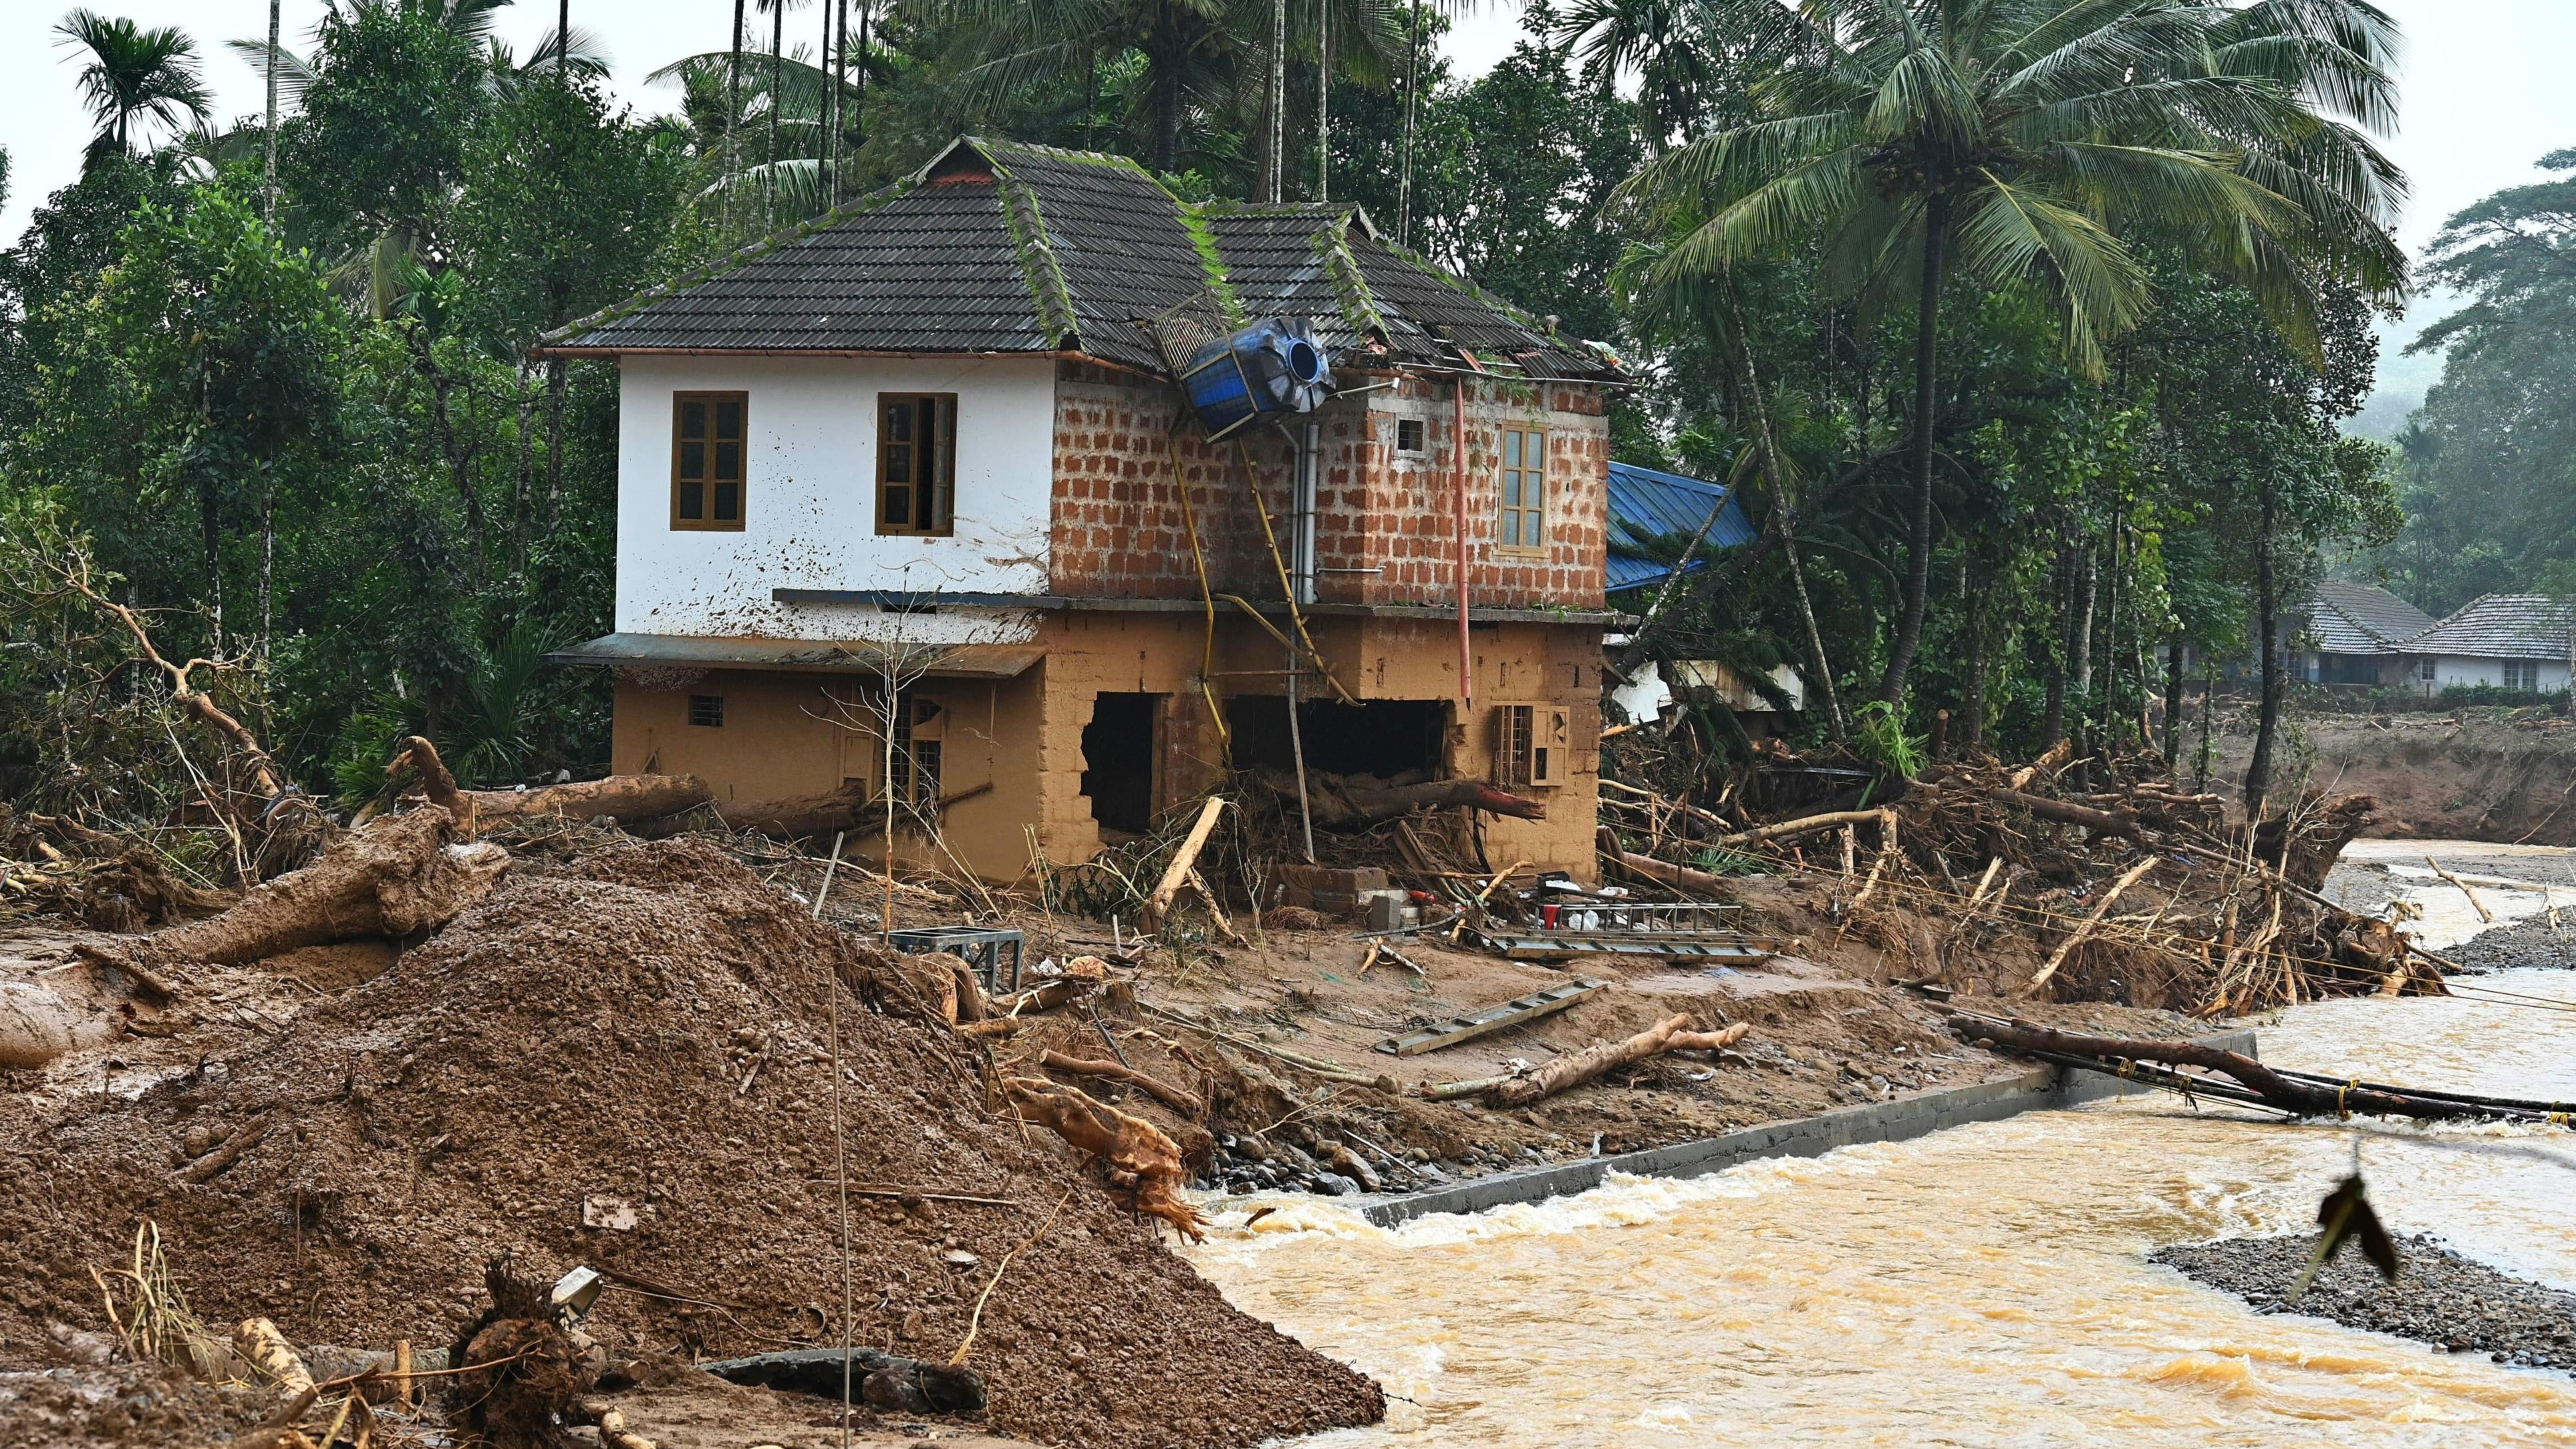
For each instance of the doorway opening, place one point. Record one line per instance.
(1119, 748)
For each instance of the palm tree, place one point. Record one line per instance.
(135, 75)
(2015, 140)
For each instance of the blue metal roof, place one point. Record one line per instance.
(1646, 504)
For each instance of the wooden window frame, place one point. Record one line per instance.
(940, 523)
(708, 522)
(1512, 520)
(1421, 445)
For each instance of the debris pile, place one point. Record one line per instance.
(2042, 882)
(627, 1063)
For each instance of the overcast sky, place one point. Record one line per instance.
(2486, 84)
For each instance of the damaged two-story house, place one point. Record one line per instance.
(923, 467)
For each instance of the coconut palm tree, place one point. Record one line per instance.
(135, 76)
(2019, 141)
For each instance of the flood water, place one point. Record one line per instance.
(1983, 1286)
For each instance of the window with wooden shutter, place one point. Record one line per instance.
(916, 463)
(1521, 527)
(708, 447)
(1533, 745)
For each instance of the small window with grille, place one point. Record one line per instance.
(1408, 435)
(1531, 745)
(706, 710)
(707, 467)
(915, 780)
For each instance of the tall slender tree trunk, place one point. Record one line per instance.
(1412, 107)
(1323, 100)
(523, 478)
(1167, 113)
(1972, 729)
(1816, 660)
(733, 113)
(563, 39)
(210, 526)
(2173, 701)
(268, 189)
(2267, 622)
(1277, 129)
(1918, 542)
(777, 81)
(2061, 632)
(2080, 649)
(267, 560)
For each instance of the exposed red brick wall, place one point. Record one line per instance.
(1119, 528)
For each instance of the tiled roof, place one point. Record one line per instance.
(1647, 505)
(1003, 247)
(2372, 609)
(2500, 626)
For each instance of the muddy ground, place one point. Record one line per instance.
(2487, 773)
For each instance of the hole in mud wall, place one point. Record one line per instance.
(1118, 760)
(1388, 738)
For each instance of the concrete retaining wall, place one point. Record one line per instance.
(1898, 1121)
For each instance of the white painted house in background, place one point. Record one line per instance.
(2506, 641)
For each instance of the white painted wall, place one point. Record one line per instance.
(809, 505)
(2450, 669)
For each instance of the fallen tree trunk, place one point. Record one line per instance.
(1680, 877)
(2076, 937)
(1672, 1034)
(1805, 825)
(2302, 1098)
(1161, 1091)
(619, 797)
(1184, 866)
(1340, 804)
(799, 816)
(399, 876)
(1138, 1159)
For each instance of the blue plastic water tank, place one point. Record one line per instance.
(1273, 366)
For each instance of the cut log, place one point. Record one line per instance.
(1163, 1092)
(619, 797)
(2046, 766)
(1184, 860)
(1141, 1162)
(399, 876)
(2076, 937)
(1680, 877)
(436, 781)
(1672, 1034)
(257, 1342)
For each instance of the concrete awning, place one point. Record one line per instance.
(808, 656)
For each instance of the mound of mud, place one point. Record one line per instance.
(625, 1064)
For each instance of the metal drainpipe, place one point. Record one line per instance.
(1301, 526)
(1458, 466)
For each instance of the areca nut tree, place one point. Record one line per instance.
(2038, 142)
(134, 76)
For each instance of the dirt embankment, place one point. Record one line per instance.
(626, 1064)
(2469, 774)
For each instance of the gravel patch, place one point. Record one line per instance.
(2519, 944)
(2440, 1298)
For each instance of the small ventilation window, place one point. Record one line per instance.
(1408, 435)
(706, 710)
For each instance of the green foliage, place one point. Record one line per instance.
(1878, 736)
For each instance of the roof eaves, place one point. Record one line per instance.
(1194, 220)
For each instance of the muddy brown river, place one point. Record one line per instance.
(1983, 1286)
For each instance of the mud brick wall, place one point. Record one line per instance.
(1385, 529)
(1404, 502)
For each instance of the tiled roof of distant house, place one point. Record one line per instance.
(2500, 626)
(999, 247)
(2352, 618)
